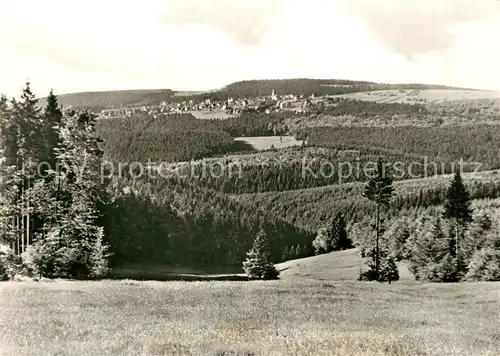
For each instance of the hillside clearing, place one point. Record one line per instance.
(422, 96)
(211, 115)
(334, 266)
(267, 142)
(248, 318)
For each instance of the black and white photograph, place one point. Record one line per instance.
(250, 178)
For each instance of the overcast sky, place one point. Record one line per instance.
(76, 45)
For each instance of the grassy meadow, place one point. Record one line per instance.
(316, 308)
(286, 317)
(266, 142)
(411, 96)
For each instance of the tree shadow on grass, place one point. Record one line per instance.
(241, 146)
(158, 275)
(179, 277)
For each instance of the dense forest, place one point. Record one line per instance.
(181, 137)
(172, 222)
(300, 168)
(309, 208)
(299, 86)
(367, 109)
(443, 144)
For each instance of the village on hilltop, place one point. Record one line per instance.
(223, 109)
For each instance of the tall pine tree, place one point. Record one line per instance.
(457, 209)
(52, 120)
(379, 190)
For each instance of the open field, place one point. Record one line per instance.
(210, 115)
(334, 266)
(422, 96)
(266, 142)
(296, 317)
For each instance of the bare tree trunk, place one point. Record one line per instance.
(377, 228)
(17, 226)
(28, 217)
(23, 215)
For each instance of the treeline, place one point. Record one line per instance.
(170, 146)
(310, 208)
(173, 222)
(100, 100)
(298, 86)
(478, 143)
(181, 137)
(300, 170)
(449, 243)
(51, 193)
(366, 109)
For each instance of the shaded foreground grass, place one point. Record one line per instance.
(295, 317)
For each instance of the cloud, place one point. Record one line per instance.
(247, 21)
(206, 44)
(416, 27)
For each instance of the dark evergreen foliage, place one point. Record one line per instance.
(333, 237)
(438, 144)
(379, 190)
(257, 264)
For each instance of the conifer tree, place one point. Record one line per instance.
(257, 264)
(379, 190)
(23, 145)
(332, 237)
(457, 209)
(52, 120)
(339, 237)
(72, 243)
(390, 271)
(431, 260)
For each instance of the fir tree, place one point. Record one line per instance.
(52, 120)
(257, 264)
(389, 269)
(457, 208)
(339, 237)
(379, 190)
(72, 244)
(430, 260)
(332, 237)
(484, 265)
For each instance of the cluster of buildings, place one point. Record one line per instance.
(264, 104)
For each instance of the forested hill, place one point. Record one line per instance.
(100, 100)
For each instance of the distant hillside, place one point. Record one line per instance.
(304, 86)
(100, 100)
(413, 96)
